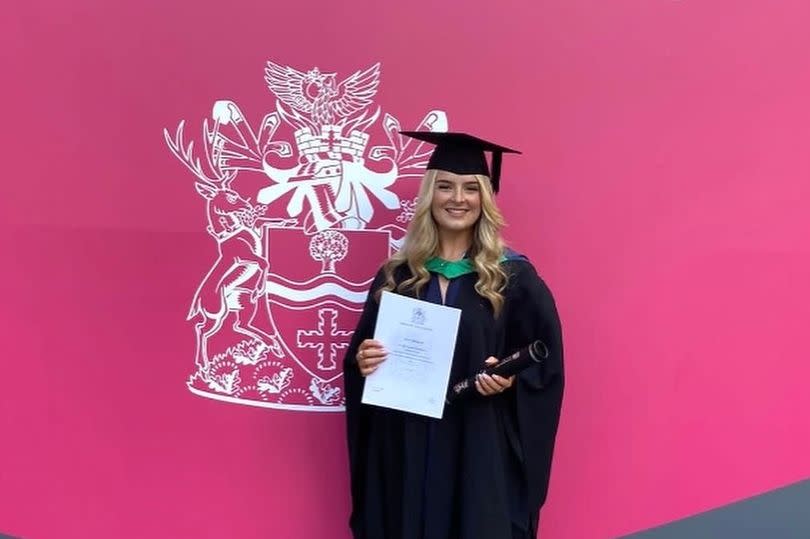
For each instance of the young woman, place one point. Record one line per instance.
(482, 470)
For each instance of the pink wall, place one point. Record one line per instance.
(663, 193)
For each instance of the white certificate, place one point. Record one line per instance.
(420, 338)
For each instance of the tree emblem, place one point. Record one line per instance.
(328, 247)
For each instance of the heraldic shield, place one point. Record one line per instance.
(314, 299)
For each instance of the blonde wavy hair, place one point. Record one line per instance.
(422, 242)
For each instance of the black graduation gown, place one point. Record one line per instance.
(482, 471)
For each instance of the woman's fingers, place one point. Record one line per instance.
(369, 356)
(486, 385)
(491, 385)
(369, 366)
(370, 343)
(505, 383)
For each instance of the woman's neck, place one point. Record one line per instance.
(453, 246)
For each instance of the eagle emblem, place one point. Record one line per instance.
(319, 95)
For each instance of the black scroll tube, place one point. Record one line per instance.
(524, 358)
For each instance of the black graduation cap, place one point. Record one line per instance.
(461, 153)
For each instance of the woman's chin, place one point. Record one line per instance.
(455, 226)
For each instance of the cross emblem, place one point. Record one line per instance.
(321, 340)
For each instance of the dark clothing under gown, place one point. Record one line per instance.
(482, 471)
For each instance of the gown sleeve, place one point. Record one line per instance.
(532, 314)
(356, 414)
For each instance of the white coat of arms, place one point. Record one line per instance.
(301, 211)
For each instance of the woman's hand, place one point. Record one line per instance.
(491, 385)
(369, 356)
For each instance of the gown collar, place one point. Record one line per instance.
(450, 269)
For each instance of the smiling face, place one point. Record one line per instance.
(456, 202)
